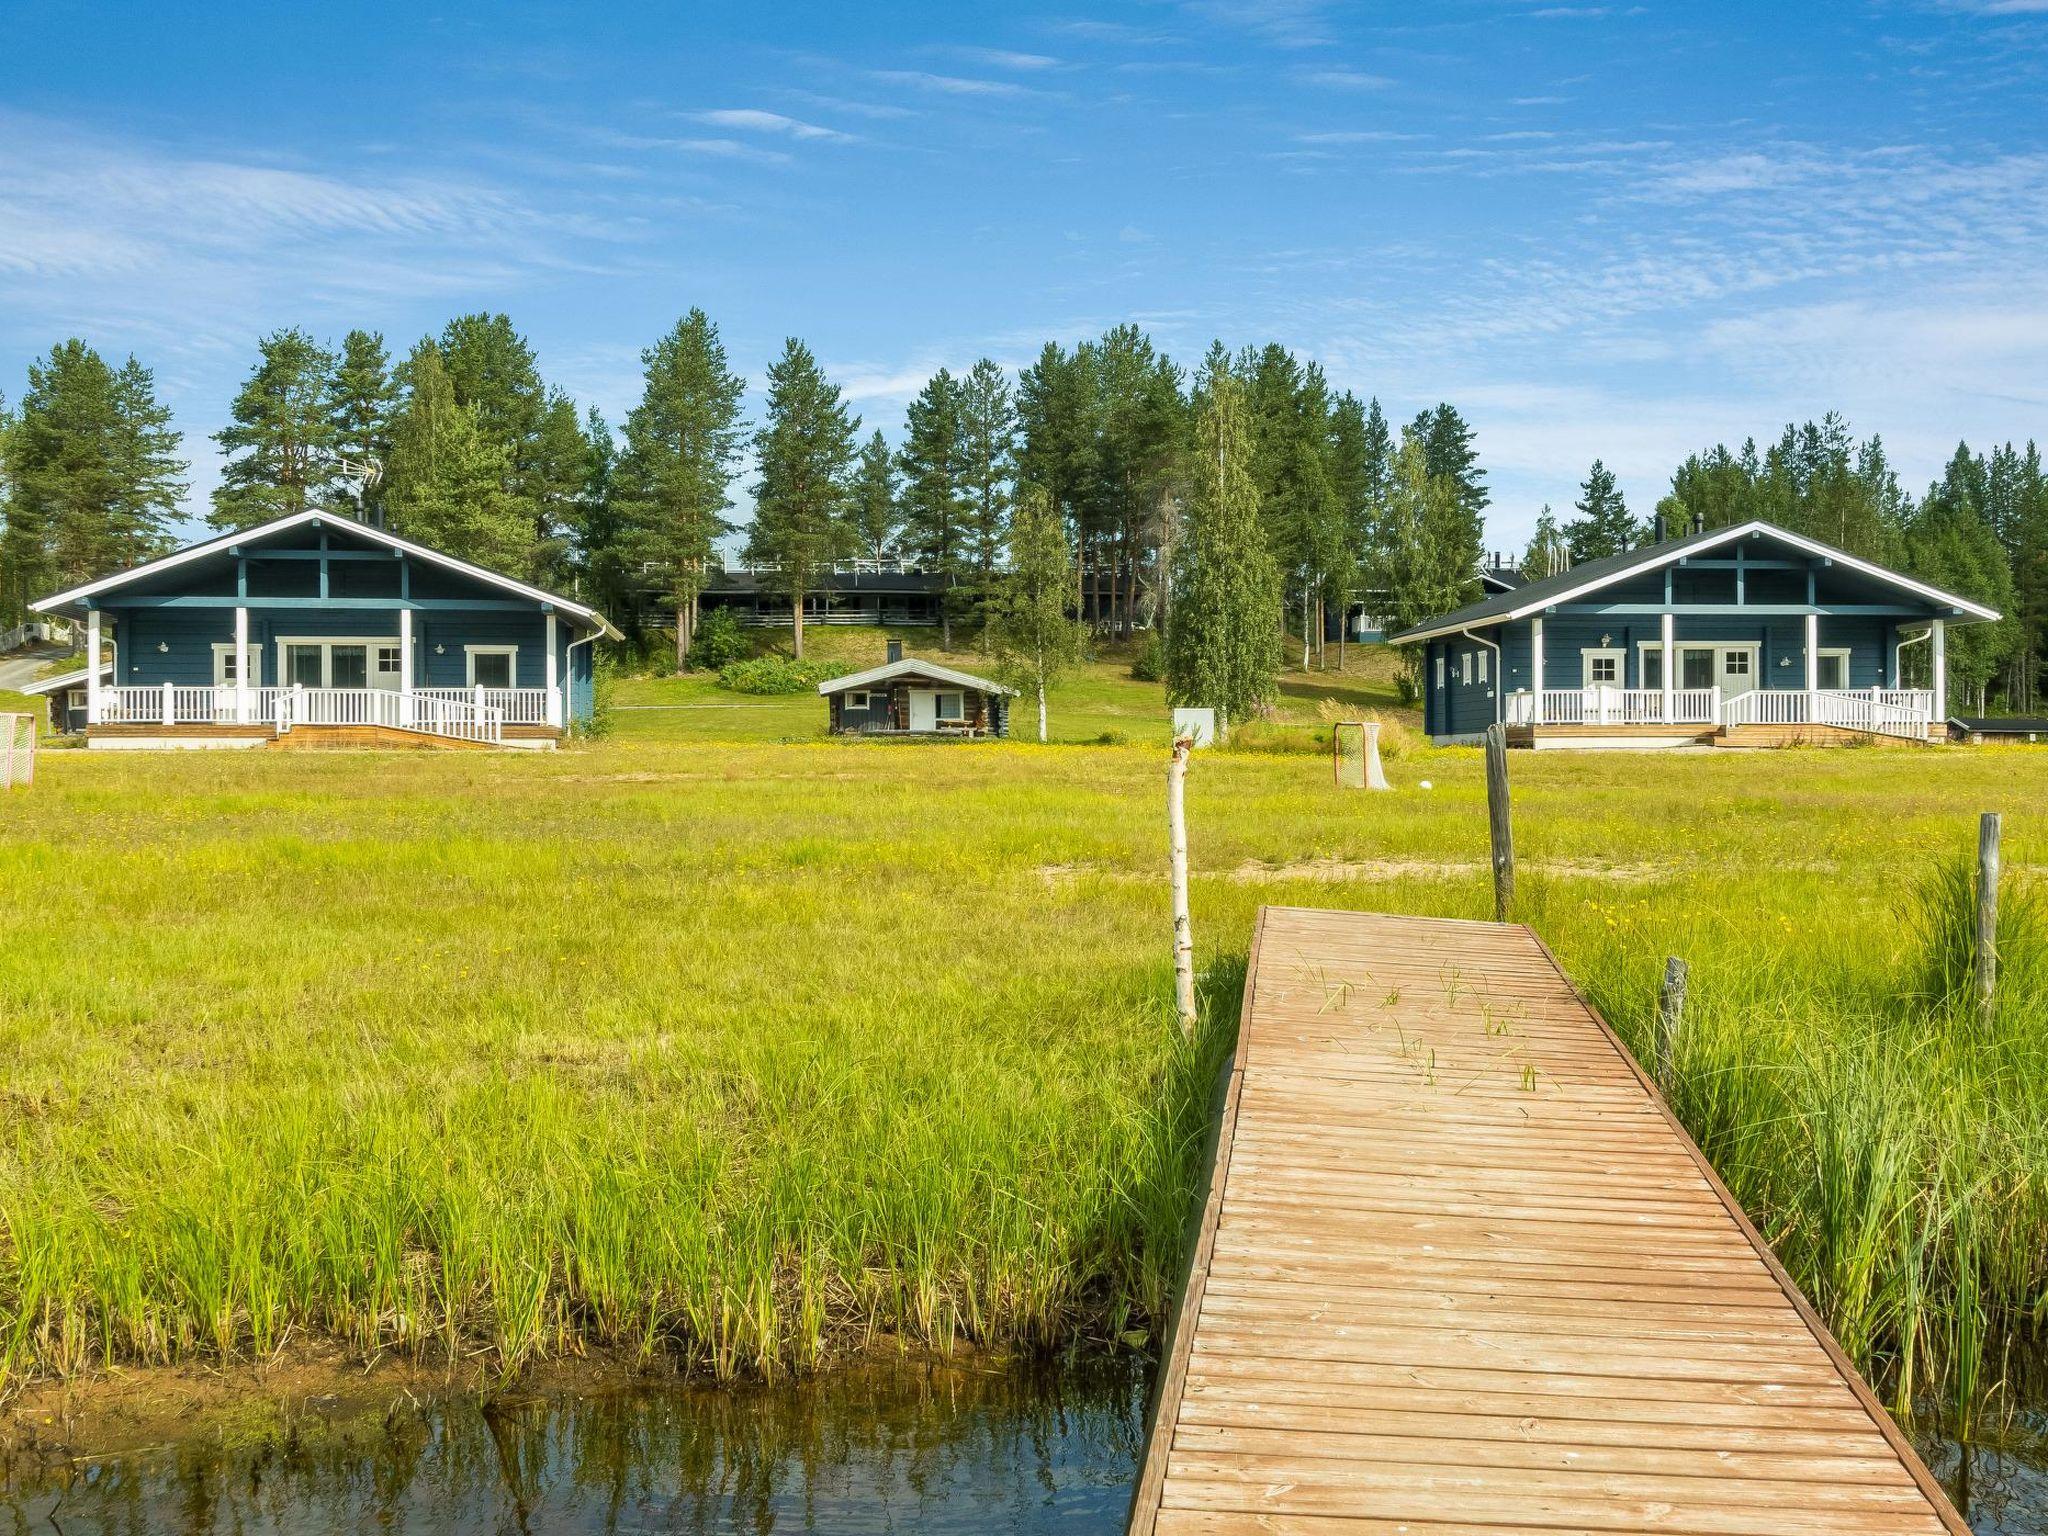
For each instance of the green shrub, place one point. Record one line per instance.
(1149, 665)
(719, 642)
(1406, 689)
(777, 674)
(604, 686)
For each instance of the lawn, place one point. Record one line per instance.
(744, 1050)
(1097, 701)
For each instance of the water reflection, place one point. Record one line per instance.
(878, 1450)
(2001, 1486)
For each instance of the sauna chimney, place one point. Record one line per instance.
(895, 650)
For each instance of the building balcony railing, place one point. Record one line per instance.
(465, 714)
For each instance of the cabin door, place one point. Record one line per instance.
(924, 709)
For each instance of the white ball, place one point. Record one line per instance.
(1425, 784)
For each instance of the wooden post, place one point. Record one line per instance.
(1183, 925)
(1670, 1018)
(1499, 821)
(1987, 913)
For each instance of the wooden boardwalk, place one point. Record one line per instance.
(1460, 1271)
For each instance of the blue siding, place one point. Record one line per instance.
(1459, 708)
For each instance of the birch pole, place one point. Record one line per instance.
(1987, 913)
(1177, 848)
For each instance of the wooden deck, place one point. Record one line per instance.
(1460, 1271)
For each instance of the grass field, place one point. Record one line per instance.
(743, 1050)
(1099, 701)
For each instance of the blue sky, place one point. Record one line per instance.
(1614, 230)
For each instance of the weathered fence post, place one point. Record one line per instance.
(1987, 913)
(1499, 822)
(1670, 1018)
(1177, 848)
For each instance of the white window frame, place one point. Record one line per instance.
(1465, 669)
(74, 698)
(1822, 653)
(371, 644)
(1715, 648)
(471, 652)
(1592, 653)
(939, 697)
(224, 650)
(1439, 672)
(1747, 652)
(857, 699)
(1483, 679)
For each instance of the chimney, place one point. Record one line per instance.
(895, 650)
(1657, 533)
(1699, 522)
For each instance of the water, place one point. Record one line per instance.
(904, 1448)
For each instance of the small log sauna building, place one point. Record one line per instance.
(908, 697)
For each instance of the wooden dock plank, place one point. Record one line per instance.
(1458, 1269)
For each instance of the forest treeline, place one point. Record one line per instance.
(461, 443)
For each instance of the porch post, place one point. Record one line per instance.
(405, 665)
(1536, 669)
(1940, 645)
(92, 667)
(1670, 664)
(554, 678)
(1812, 668)
(241, 666)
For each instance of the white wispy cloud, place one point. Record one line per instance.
(1004, 58)
(949, 85)
(754, 120)
(1345, 79)
(1283, 23)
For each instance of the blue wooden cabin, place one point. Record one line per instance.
(1773, 638)
(321, 629)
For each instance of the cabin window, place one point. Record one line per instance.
(950, 706)
(1831, 670)
(1735, 663)
(492, 666)
(310, 663)
(1439, 674)
(856, 701)
(349, 666)
(1696, 666)
(1651, 666)
(303, 666)
(1602, 668)
(1482, 666)
(75, 698)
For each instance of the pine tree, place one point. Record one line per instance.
(1141, 441)
(935, 507)
(598, 546)
(1035, 635)
(494, 372)
(559, 481)
(875, 512)
(988, 430)
(446, 486)
(280, 446)
(1603, 526)
(1059, 408)
(361, 395)
(92, 470)
(805, 451)
(1449, 453)
(1221, 640)
(674, 478)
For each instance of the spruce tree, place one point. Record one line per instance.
(1141, 441)
(361, 395)
(1603, 526)
(1952, 544)
(875, 514)
(1059, 410)
(281, 442)
(494, 373)
(674, 478)
(1035, 634)
(988, 429)
(92, 470)
(805, 451)
(446, 486)
(1448, 451)
(935, 505)
(1222, 644)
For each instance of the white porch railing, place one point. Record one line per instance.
(1905, 712)
(1603, 704)
(462, 716)
(520, 706)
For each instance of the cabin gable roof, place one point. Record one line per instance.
(78, 599)
(911, 667)
(1594, 575)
